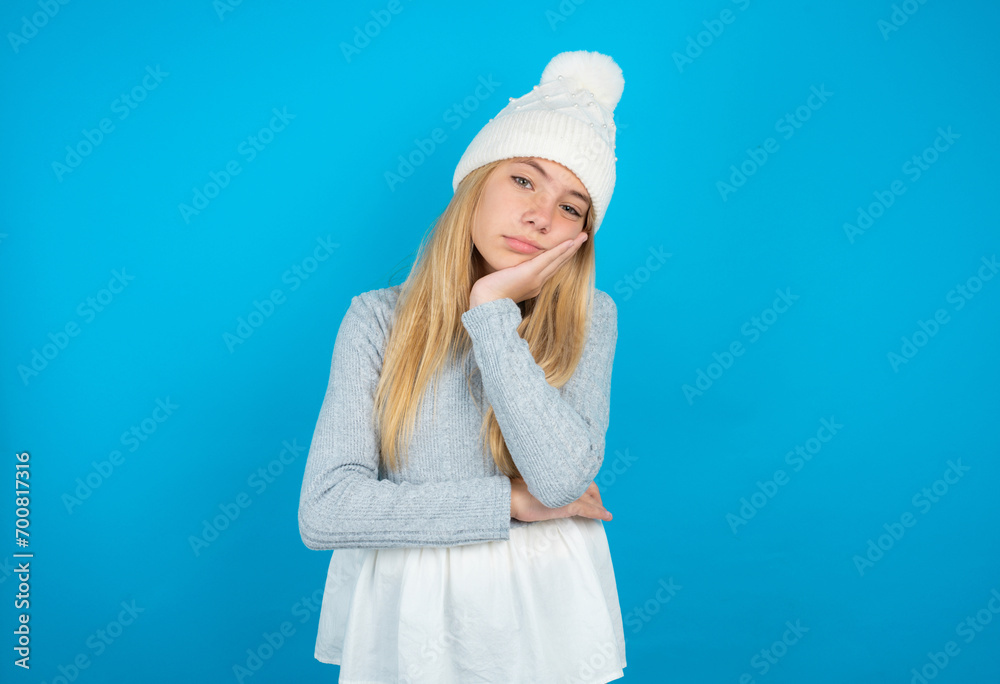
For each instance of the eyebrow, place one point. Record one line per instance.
(533, 163)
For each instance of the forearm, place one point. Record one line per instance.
(556, 438)
(557, 452)
(348, 509)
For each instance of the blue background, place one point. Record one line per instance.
(678, 465)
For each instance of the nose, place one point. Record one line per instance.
(539, 215)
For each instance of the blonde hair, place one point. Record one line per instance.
(427, 331)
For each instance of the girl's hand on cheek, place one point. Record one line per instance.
(525, 280)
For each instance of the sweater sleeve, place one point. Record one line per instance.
(343, 504)
(555, 436)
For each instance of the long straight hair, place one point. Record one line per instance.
(427, 330)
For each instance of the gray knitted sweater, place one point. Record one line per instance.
(451, 492)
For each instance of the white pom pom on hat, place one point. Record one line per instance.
(590, 71)
(567, 118)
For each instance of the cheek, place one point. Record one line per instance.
(482, 230)
(491, 206)
(567, 228)
(490, 217)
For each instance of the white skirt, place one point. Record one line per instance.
(541, 607)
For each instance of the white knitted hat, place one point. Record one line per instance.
(567, 118)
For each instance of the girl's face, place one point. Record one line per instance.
(529, 205)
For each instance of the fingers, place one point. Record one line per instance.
(606, 514)
(550, 260)
(592, 489)
(562, 253)
(589, 505)
(525, 507)
(594, 511)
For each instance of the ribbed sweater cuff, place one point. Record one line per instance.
(491, 319)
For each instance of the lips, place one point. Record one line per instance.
(522, 245)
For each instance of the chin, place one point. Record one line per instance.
(502, 258)
(508, 259)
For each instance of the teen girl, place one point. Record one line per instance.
(453, 461)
